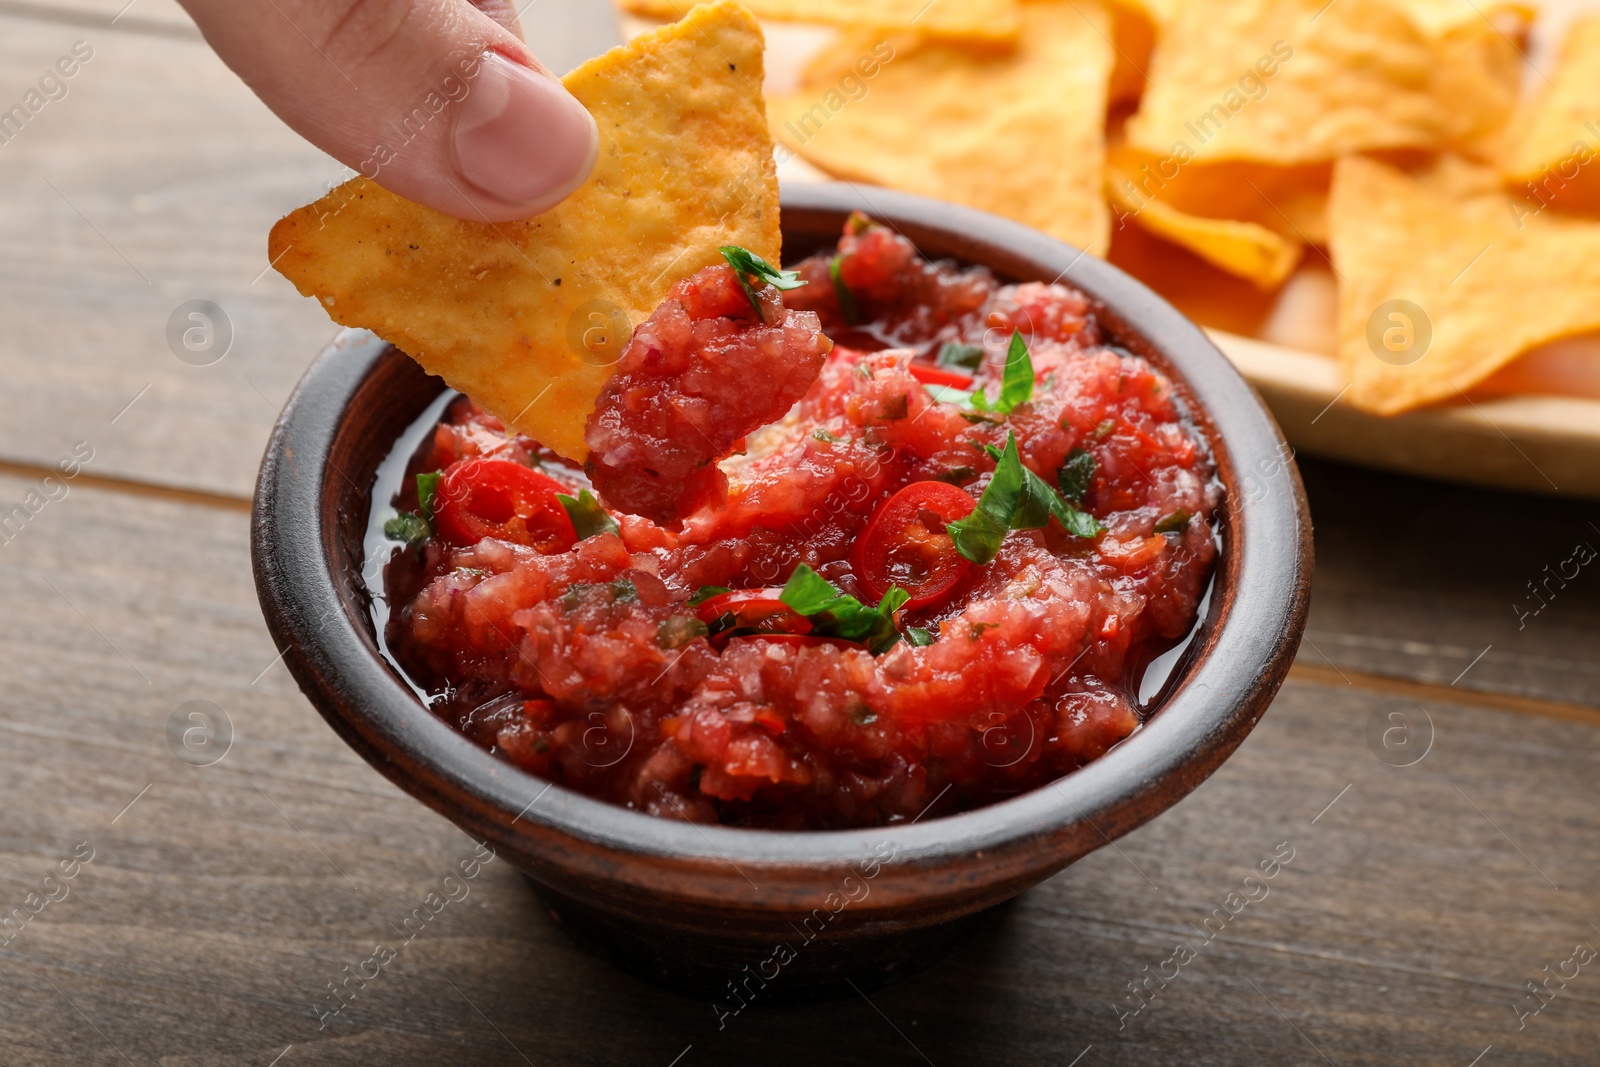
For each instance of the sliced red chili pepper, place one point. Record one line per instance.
(905, 544)
(499, 498)
(940, 376)
(754, 609)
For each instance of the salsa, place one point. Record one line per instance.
(875, 538)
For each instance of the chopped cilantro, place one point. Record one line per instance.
(1103, 430)
(427, 489)
(949, 394)
(1016, 385)
(956, 475)
(916, 635)
(588, 517)
(623, 590)
(960, 356)
(408, 527)
(975, 630)
(847, 299)
(896, 407)
(1015, 499)
(1177, 522)
(746, 264)
(1075, 475)
(835, 614)
(863, 715)
(678, 630)
(706, 592)
(825, 437)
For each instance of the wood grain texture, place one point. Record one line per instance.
(223, 901)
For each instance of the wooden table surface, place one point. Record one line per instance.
(209, 906)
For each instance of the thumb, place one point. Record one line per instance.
(433, 99)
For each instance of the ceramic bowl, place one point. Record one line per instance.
(735, 913)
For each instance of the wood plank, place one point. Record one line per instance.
(220, 904)
(1443, 584)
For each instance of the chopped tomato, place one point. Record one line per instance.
(939, 376)
(498, 498)
(905, 544)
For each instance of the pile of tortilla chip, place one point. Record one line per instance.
(1228, 148)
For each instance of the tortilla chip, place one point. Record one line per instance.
(1133, 35)
(1241, 248)
(978, 20)
(1552, 147)
(1020, 134)
(528, 317)
(1490, 289)
(1304, 81)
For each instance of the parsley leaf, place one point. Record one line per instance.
(706, 592)
(408, 527)
(747, 264)
(588, 517)
(1016, 386)
(1177, 522)
(1015, 499)
(427, 489)
(835, 614)
(917, 636)
(847, 299)
(1075, 475)
(960, 356)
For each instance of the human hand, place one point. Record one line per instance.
(439, 101)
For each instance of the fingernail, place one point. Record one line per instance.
(521, 138)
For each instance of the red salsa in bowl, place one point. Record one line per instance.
(883, 538)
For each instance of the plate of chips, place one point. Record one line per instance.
(1386, 212)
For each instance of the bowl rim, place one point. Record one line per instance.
(1241, 653)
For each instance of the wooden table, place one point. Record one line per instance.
(220, 900)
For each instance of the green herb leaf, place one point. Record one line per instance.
(1015, 499)
(1016, 385)
(847, 299)
(1177, 522)
(1103, 430)
(588, 517)
(1075, 475)
(956, 475)
(858, 223)
(678, 630)
(949, 394)
(836, 614)
(410, 528)
(746, 264)
(427, 490)
(917, 636)
(960, 356)
(706, 592)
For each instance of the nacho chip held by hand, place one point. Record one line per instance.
(529, 317)
(1441, 284)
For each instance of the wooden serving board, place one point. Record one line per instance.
(1541, 444)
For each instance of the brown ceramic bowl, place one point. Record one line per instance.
(784, 914)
